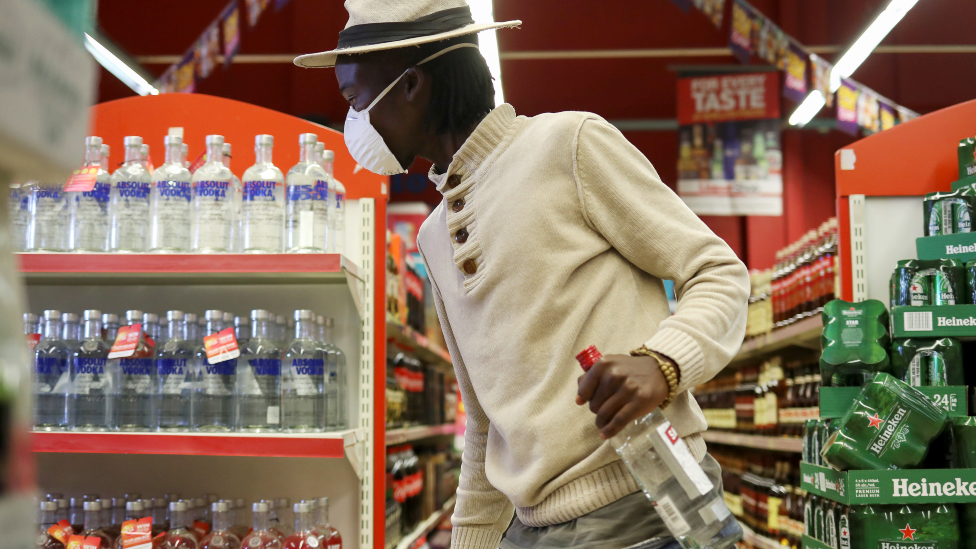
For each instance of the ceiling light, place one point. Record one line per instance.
(869, 40)
(116, 66)
(808, 109)
(482, 12)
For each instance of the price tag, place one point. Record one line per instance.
(221, 346)
(137, 534)
(201, 527)
(82, 180)
(61, 531)
(83, 542)
(126, 342)
(32, 340)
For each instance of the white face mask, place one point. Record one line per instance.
(363, 141)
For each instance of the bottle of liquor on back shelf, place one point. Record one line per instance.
(308, 200)
(212, 206)
(52, 379)
(235, 192)
(136, 381)
(258, 380)
(302, 379)
(337, 375)
(261, 536)
(263, 204)
(88, 210)
(129, 201)
(329, 536)
(221, 537)
(213, 400)
(93, 523)
(93, 390)
(51, 535)
(174, 370)
(169, 203)
(305, 536)
(180, 534)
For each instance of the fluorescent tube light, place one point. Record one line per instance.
(869, 40)
(114, 65)
(483, 12)
(808, 109)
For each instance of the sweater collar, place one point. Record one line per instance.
(482, 142)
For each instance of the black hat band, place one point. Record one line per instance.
(428, 25)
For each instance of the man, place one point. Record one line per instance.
(555, 233)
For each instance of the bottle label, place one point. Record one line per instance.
(672, 518)
(89, 375)
(682, 464)
(83, 542)
(61, 531)
(306, 376)
(340, 200)
(136, 375)
(316, 191)
(126, 341)
(133, 189)
(201, 527)
(221, 346)
(174, 190)
(172, 372)
(51, 369)
(137, 534)
(259, 191)
(211, 189)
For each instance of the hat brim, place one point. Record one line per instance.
(327, 59)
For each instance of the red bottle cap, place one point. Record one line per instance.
(588, 357)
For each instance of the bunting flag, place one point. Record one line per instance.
(821, 78)
(230, 22)
(254, 9)
(847, 96)
(167, 82)
(280, 4)
(795, 81)
(185, 74)
(713, 9)
(867, 110)
(740, 34)
(905, 114)
(886, 114)
(685, 5)
(206, 50)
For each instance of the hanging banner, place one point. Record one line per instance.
(280, 4)
(740, 32)
(206, 50)
(886, 115)
(905, 114)
(167, 82)
(713, 9)
(771, 42)
(795, 77)
(685, 5)
(867, 111)
(186, 75)
(230, 22)
(821, 78)
(254, 9)
(847, 107)
(730, 158)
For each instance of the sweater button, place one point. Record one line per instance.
(470, 267)
(453, 180)
(458, 205)
(461, 236)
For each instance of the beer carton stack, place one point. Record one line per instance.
(893, 464)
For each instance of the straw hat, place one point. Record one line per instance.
(387, 24)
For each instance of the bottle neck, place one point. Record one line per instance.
(215, 153)
(214, 325)
(303, 329)
(67, 331)
(327, 166)
(327, 333)
(307, 152)
(263, 153)
(92, 520)
(303, 522)
(324, 514)
(259, 329)
(133, 154)
(159, 516)
(175, 329)
(222, 520)
(48, 519)
(261, 521)
(52, 329)
(93, 155)
(174, 154)
(93, 329)
(179, 519)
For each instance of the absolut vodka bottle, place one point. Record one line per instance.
(52, 379)
(263, 204)
(302, 379)
(88, 210)
(18, 208)
(213, 401)
(337, 240)
(242, 331)
(129, 201)
(235, 184)
(308, 200)
(183, 156)
(213, 202)
(93, 391)
(48, 227)
(337, 375)
(70, 330)
(110, 327)
(137, 382)
(169, 203)
(258, 384)
(330, 376)
(174, 369)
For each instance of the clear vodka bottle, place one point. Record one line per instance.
(213, 400)
(136, 382)
(93, 389)
(183, 156)
(261, 535)
(330, 377)
(221, 536)
(174, 369)
(181, 534)
(307, 202)
(52, 379)
(169, 203)
(258, 384)
(144, 157)
(110, 327)
(337, 375)
(212, 204)
(150, 327)
(191, 330)
(302, 379)
(47, 230)
(129, 201)
(281, 332)
(88, 210)
(163, 331)
(70, 332)
(263, 205)
(93, 523)
(337, 219)
(236, 198)
(688, 502)
(242, 331)
(30, 324)
(18, 204)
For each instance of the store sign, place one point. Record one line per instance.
(730, 158)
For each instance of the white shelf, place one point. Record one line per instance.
(804, 333)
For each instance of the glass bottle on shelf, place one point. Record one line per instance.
(331, 538)
(136, 381)
(213, 400)
(174, 372)
(258, 383)
(276, 511)
(261, 536)
(93, 524)
(242, 331)
(18, 213)
(169, 205)
(129, 201)
(180, 534)
(47, 230)
(133, 511)
(305, 536)
(48, 527)
(212, 202)
(221, 537)
(307, 202)
(302, 379)
(337, 376)
(263, 201)
(88, 210)
(93, 391)
(236, 193)
(337, 217)
(52, 380)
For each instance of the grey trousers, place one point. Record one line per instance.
(628, 523)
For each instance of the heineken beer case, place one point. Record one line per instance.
(889, 426)
(967, 157)
(916, 526)
(948, 212)
(919, 282)
(854, 342)
(927, 362)
(963, 431)
(971, 282)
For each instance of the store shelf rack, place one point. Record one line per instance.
(779, 444)
(804, 333)
(410, 541)
(410, 434)
(418, 344)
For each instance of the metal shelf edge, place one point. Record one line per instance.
(760, 442)
(407, 434)
(805, 331)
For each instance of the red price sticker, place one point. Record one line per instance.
(137, 534)
(82, 179)
(126, 342)
(83, 542)
(32, 340)
(61, 531)
(200, 526)
(221, 346)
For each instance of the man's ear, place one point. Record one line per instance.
(414, 80)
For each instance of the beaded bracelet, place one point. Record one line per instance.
(667, 368)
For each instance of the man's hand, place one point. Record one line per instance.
(620, 389)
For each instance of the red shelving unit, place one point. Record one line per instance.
(122, 264)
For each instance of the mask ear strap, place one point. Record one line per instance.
(434, 56)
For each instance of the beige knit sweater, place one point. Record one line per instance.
(555, 233)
